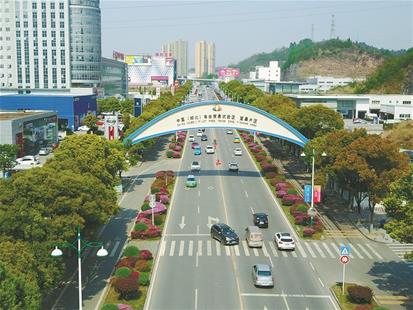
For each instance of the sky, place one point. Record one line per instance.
(241, 28)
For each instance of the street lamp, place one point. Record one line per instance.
(311, 212)
(81, 245)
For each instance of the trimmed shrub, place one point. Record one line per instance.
(178, 148)
(172, 145)
(109, 307)
(270, 175)
(169, 173)
(176, 155)
(155, 190)
(360, 294)
(157, 220)
(259, 157)
(123, 272)
(292, 191)
(131, 251)
(169, 154)
(144, 279)
(289, 200)
(164, 199)
(282, 186)
(160, 175)
(308, 232)
(126, 287)
(142, 265)
(145, 206)
(143, 219)
(127, 262)
(280, 193)
(269, 168)
(145, 255)
(301, 208)
(140, 227)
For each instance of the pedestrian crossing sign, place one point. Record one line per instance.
(344, 250)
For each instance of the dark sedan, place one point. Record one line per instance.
(260, 220)
(224, 234)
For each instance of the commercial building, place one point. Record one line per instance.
(150, 70)
(204, 58)
(228, 74)
(49, 44)
(179, 51)
(30, 130)
(325, 83)
(70, 109)
(114, 77)
(270, 73)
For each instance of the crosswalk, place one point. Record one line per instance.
(400, 249)
(322, 250)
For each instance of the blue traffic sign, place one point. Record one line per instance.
(344, 250)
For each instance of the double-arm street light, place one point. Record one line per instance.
(81, 245)
(311, 211)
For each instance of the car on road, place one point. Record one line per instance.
(191, 138)
(195, 166)
(236, 140)
(224, 234)
(28, 160)
(209, 149)
(229, 132)
(83, 128)
(262, 275)
(199, 133)
(284, 241)
(191, 181)
(204, 138)
(238, 151)
(233, 166)
(260, 220)
(44, 151)
(194, 145)
(197, 150)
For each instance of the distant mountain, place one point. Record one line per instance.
(340, 58)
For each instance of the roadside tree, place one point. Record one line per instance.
(8, 153)
(90, 121)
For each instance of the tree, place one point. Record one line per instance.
(399, 207)
(8, 153)
(90, 121)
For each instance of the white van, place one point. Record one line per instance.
(254, 237)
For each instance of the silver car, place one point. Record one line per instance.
(262, 275)
(195, 166)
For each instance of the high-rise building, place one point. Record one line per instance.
(211, 57)
(53, 44)
(204, 58)
(179, 51)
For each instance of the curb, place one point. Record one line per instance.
(335, 297)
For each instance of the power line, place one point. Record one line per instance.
(332, 28)
(167, 5)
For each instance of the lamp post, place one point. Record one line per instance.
(81, 245)
(311, 212)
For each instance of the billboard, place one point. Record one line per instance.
(232, 72)
(169, 61)
(118, 56)
(138, 107)
(138, 59)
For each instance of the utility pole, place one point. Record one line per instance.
(332, 28)
(312, 32)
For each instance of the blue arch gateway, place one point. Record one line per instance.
(217, 114)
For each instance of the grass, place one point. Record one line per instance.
(343, 300)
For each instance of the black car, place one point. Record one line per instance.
(260, 220)
(204, 138)
(224, 234)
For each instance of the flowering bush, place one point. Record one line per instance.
(281, 193)
(172, 145)
(178, 148)
(151, 232)
(169, 173)
(142, 265)
(270, 175)
(289, 200)
(126, 287)
(164, 198)
(360, 294)
(308, 231)
(160, 175)
(176, 155)
(260, 157)
(143, 219)
(127, 262)
(145, 255)
(282, 185)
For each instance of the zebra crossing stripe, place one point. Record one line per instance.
(284, 253)
(181, 248)
(294, 254)
(264, 249)
(273, 250)
(374, 251)
(162, 248)
(328, 250)
(218, 247)
(310, 250)
(335, 247)
(209, 248)
(317, 247)
(190, 247)
(354, 249)
(255, 252)
(245, 246)
(172, 249)
(227, 251)
(236, 250)
(199, 251)
(300, 248)
(365, 251)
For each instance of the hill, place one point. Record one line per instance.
(331, 57)
(401, 134)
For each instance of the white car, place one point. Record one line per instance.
(284, 241)
(44, 151)
(195, 166)
(229, 132)
(83, 128)
(238, 152)
(28, 160)
(191, 138)
(209, 149)
(199, 133)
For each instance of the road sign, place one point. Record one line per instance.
(344, 259)
(344, 250)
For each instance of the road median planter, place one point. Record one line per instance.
(176, 146)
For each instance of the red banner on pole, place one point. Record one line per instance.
(317, 193)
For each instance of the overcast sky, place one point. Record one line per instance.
(242, 28)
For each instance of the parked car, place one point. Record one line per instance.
(224, 234)
(194, 145)
(44, 151)
(191, 138)
(233, 166)
(238, 151)
(236, 140)
(260, 220)
(204, 138)
(83, 128)
(284, 241)
(209, 149)
(262, 275)
(28, 160)
(229, 132)
(197, 150)
(191, 181)
(195, 166)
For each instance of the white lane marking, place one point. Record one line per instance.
(273, 250)
(264, 250)
(181, 248)
(285, 300)
(186, 235)
(310, 250)
(245, 247)
(218, 248)
(252, 210)
(284, 254)
(354, 249)
(300, 248)
(246, 194)
(196, 260)
(162, 248)
(198, 209)
(242, 181)
(374, 251)
(209, 248)
(199, 193)
(312, 266)
(196, 299)
(199, 250)
(113, 252)
(321, 282)
(236, 250)
(197, 229)
(191, 248)
(172, 249)
(227, 251)
(293, 253)
(328, 250)
(255, 252)
(365, 251)
(319, 250)
(335, 247)
(282, 294)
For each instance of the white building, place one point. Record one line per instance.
(270, 73)
(179, 51)
(49, 44)
(325, 83)
(150, 70)
(204, 58)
